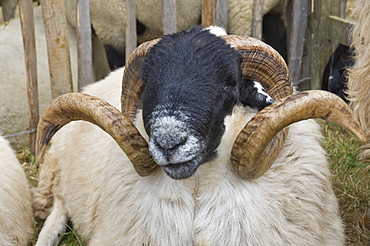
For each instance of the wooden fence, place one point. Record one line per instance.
(325, 29)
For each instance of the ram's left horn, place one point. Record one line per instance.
(78, 106)
(250, 155)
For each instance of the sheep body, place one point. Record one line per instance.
(16, 218)
(240, 14)
(13, 88)
(110, 204)
(108, 20)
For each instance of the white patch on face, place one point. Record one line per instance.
(261, 90)
(171, 139)
(216, 30)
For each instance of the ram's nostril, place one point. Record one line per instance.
(167, 152)
(168, 147)
(169, 141)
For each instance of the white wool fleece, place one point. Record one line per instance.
(16, 219)
(109, 204)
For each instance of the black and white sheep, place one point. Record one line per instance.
(16, 218)
(212, 170)
(335, 74)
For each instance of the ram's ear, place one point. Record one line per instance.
(254, 95)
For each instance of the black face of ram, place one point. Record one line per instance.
(191, 82)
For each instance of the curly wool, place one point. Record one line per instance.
(358, 80)
(16, 218)
(108, 20)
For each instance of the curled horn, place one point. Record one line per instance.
(78, 106)
(264, 64)
(257, 145)
(261, 140)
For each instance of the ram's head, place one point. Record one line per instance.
(186, 83)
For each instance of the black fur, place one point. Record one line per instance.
(334, 78)
(275, 34)
(249, 96)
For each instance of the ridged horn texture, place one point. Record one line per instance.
(259, 131)
(131, 82)
(132, 86)
(78, 106)
(264, 64)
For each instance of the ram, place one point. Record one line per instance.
(16, 218)
(200, 165)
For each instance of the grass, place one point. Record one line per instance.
(351, 184)
(27, 159)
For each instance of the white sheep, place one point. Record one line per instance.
(207, 191)
(16, 220)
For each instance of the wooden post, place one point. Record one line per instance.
(257, 19)
(214, 12)
(340, 29)
(207, 12)
(55, 23)
(84, 45)
(322, 46)
(28, 32)
(343, 4)
(131, 39)
(297, 31)
(169, 16)
(220, 11)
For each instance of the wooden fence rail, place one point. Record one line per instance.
(28, 33)
(326, 29)
(84, 45)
